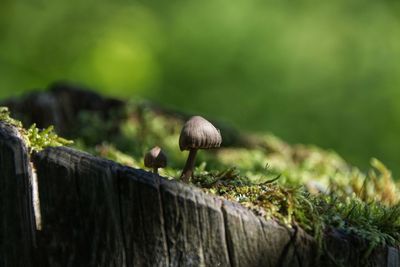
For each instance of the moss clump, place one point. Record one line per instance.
(35, 139)
(5, 117)
(375, 218)
(38, 139)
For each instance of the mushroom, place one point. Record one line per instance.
(155, 159)
(197, 133)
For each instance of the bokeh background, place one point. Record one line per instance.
(314, 72)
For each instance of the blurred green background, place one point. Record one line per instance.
(319, 72)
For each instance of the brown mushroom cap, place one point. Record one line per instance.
(199, 133)
(155, 158)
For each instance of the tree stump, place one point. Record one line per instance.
(98, 213)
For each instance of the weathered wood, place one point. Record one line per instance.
(98, 213)
(80, 210)
(194, 226)
(16, 212)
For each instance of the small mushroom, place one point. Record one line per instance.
(155, 159)
(197, 133)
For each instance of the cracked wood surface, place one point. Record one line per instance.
(98, 213)
(16, 211)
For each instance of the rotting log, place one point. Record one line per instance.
(98, 213)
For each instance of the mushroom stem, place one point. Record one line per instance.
(155, 170)
(189, 166)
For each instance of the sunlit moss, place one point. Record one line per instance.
(35, 139)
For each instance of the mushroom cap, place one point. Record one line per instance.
(155, 158)
(199, 133)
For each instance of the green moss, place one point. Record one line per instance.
(5, 117)
(35, 139)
